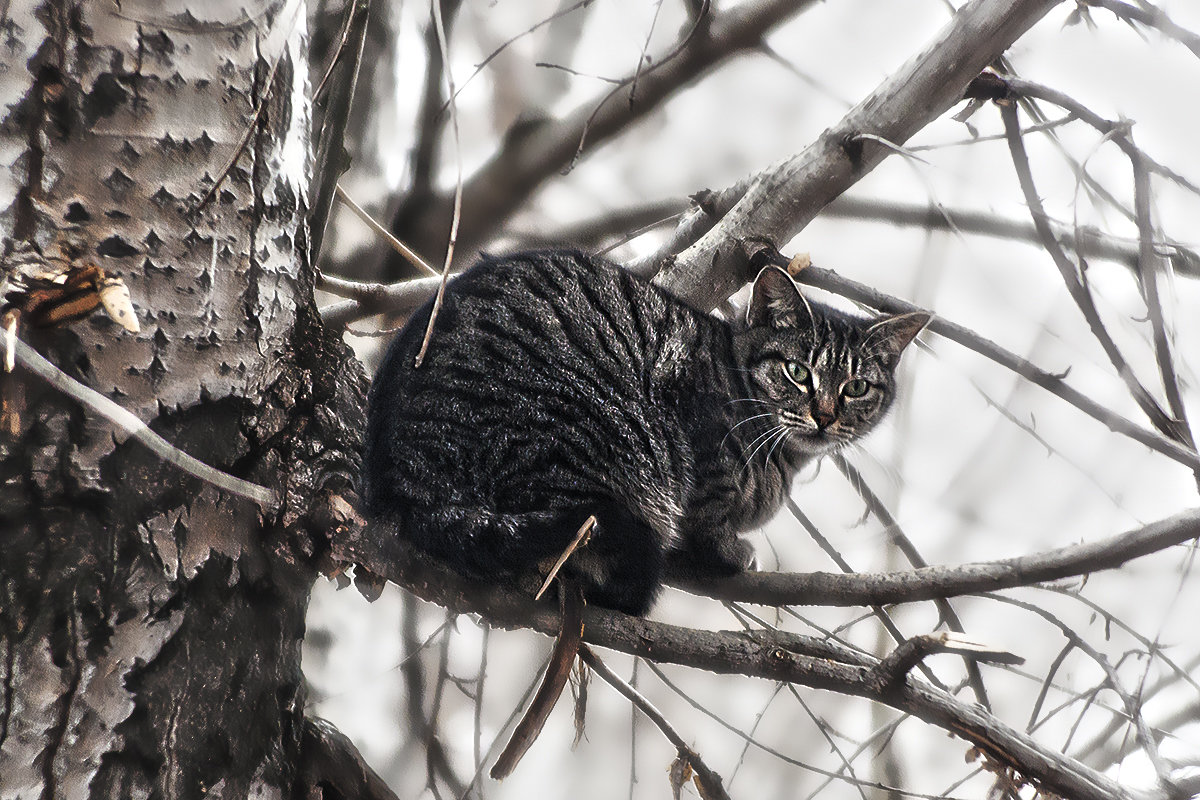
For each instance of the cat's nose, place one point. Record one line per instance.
(824, 417)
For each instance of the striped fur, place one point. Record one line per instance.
(558, 386)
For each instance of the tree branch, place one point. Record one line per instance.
(32, 360)
(1075, 284)
(786, 197)
(929, 583)
(537, 151)
(708, 777)
(771, 655)
(1086, 242)
(1055, 384)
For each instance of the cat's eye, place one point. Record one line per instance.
(796, 371)
(856, 387)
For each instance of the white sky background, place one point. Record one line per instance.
(965, 483)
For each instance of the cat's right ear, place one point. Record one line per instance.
(775, 301)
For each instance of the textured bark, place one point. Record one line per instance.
(150, 627)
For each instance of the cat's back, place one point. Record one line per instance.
(544, 362)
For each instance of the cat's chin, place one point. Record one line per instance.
(814, 444)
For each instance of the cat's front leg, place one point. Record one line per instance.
(712, 553)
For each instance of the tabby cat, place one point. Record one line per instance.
(559, 386)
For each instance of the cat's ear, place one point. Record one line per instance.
(891, 335)
(775, 301)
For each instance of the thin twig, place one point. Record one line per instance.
(400, 247)
(711, 780)
(900, 540)
(1132, 707)
(1147, 273)
(128, 422)
(479, 67)
(581, 536)
(825, 773)
(877, 610)
(456, 215)
(1076, 287)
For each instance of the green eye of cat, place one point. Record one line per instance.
(797, 371)
(856, 388)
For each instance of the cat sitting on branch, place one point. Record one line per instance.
(558, 387)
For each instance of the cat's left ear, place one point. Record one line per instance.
(892, 334)
(775, 301)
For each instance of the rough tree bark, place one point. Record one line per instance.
(150, 625)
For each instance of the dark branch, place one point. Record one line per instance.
(772, 655)
(828, 589)
(539, 150)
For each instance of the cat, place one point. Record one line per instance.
(557, 386)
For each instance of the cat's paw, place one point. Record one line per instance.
(747, 556)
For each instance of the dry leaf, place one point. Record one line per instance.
(799, 262)
(10, 339)
(679, 774)
(582, 677)
(114, 296)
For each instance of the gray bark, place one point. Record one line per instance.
(150, 625)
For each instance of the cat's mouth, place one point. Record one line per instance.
(822, 439)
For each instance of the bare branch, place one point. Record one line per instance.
(786, 197)
(823, 588)
(128, 422)
(1153, 18)
(764, 654)
(711, 780)
(1087, 242)
(378, 298)
(541, 150)
(341, 78)
(566, 647)
(900, 541)
(400, 247)
(893, 670)
(1076, 287)
(456, 208)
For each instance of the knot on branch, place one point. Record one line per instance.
(890, 674)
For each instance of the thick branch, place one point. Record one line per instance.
(776, 656)
(541, 150)
(786, 197)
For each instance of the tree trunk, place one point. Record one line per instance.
(150, 624)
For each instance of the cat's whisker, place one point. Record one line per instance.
(757, 439)
(740, 424)
(777, 431)
(778, 441)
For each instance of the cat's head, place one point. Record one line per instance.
(828, 376)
